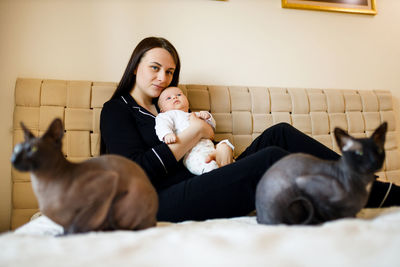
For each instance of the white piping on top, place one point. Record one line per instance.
(148, 114)
(145, 113)
(160, 160)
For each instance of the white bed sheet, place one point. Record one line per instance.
(373, 239)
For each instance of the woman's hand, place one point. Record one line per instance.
(223, 155)
(203, 127)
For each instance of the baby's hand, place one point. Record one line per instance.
(170, 138)
(204, 115)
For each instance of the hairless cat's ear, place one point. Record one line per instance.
(55, 130)
(379, 134)
(345, 141)
(27, 134)
(339, 133)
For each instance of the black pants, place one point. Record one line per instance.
(230, 190)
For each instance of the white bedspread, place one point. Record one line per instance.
(373, 239)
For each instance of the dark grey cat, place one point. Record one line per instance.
(302, 189)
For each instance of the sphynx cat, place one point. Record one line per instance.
(303, 189)
(103, 193)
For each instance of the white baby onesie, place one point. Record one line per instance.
(175, 121)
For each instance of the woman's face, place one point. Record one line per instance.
(154, 72)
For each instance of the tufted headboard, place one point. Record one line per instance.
(241, 114)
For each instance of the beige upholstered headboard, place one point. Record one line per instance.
(241, 113)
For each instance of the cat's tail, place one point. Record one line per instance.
(300, 211)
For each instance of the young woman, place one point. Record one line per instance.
(127, 128)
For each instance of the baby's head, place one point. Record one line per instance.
(172, 98)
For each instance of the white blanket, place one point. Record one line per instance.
(373, 239)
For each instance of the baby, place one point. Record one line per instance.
(173, 119)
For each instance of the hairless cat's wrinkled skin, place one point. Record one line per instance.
(302, 189)
(103, 193)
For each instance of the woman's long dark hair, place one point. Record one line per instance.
(128, 79)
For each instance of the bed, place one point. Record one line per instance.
(372, 239)
(241, 113)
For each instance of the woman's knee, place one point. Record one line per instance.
(282, 126)
(276, 132)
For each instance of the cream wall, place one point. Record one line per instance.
(237, 42)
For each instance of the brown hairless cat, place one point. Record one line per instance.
(103, 193)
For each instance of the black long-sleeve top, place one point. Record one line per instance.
(128, 130)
